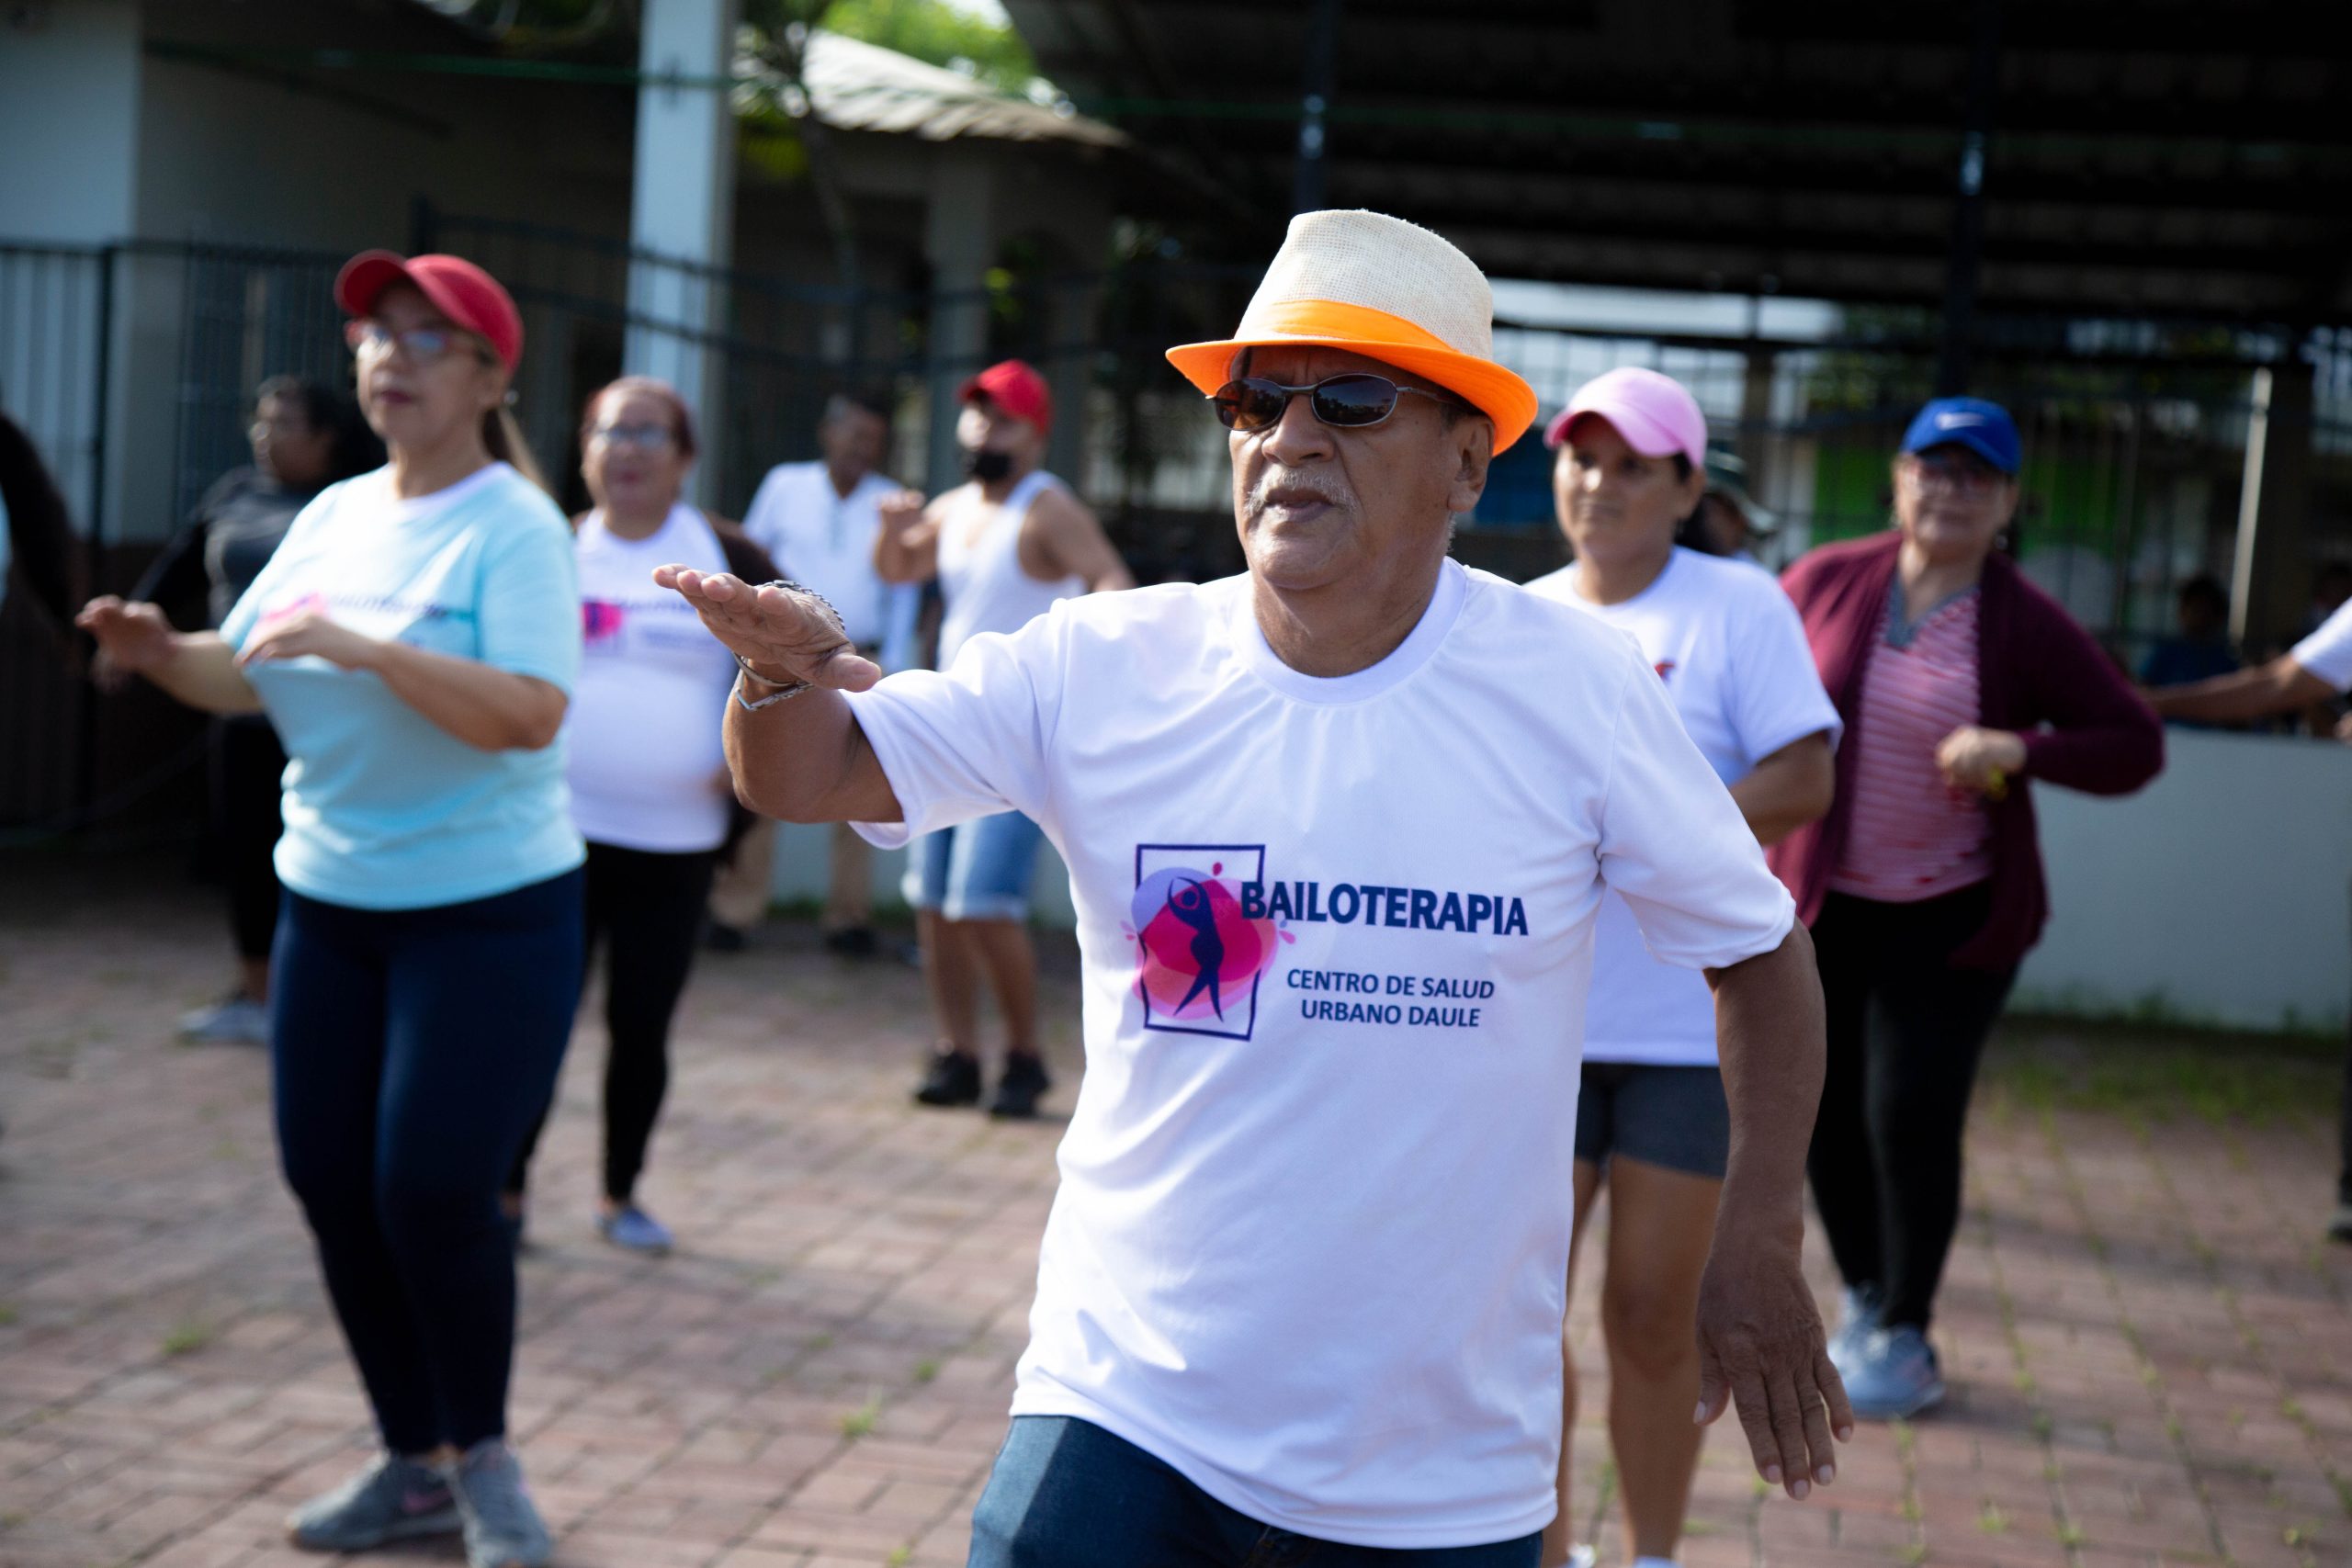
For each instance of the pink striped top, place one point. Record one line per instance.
(1912, 835)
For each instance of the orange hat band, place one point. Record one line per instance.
(1341, 324)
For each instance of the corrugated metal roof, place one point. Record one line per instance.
(860, 86)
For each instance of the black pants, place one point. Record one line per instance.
(645, 910)
(247, 765)
(1905, 1031)
(410, 1049)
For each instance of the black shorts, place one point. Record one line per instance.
(1674, 1117)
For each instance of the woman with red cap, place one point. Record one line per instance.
(413, 639)
(1959, 682)
(1652, 1123)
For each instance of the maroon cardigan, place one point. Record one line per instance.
(2035, 667)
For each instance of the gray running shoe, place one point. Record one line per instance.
(1895, 1377)
(393, 1500)
(237, 1020)
(502, 1525)
(1857, 1321)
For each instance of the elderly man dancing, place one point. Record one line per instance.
(1300, 1296)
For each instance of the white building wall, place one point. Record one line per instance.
(68, 121)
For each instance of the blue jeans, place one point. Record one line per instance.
(978, 870)
(410, 1051)
(1066, 1494)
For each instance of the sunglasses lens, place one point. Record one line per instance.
(1346, 401)
(1248, 404)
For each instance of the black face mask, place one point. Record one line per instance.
(987, 465)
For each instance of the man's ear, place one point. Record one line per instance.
(1471, 445)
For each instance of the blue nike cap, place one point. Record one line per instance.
(1983, 427)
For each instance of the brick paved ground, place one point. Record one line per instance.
(2150, 1351)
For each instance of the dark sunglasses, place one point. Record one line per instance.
(1345, 403)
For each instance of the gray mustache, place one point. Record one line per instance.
(1262, 493)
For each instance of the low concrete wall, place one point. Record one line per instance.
(2221, 894)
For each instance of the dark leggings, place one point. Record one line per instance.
(247, 767)
(1905, 1031)
(646, 910)
(411, 1049)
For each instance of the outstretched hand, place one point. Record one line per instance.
(133, 638)
(1760, 1345)
(784, 635)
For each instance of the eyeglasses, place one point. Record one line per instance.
(1352, 402)
(423, 345)
(644, 437)
(1961, 475)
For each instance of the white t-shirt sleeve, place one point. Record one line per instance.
(968, 740)
(1676, 848)
(1777, 697)
(2327, 652)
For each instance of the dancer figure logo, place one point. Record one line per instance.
(1198, 957)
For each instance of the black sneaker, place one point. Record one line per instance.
(953, 1079)
(853, 941)
(1018, 1091)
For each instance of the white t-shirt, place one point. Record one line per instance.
(643, 729)
(825, 540)
(1731, 650)
(1312, 1233)
(2327, 652)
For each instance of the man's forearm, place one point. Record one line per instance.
(1769, 1025)
(2280, 686)
(797, 760)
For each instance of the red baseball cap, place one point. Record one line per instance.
(457, 288)
(1015, 387)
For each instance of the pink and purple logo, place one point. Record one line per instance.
(601, 619)
(1198, 957)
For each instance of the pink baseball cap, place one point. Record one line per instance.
(1655, 414)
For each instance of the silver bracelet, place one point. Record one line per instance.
(794, 689)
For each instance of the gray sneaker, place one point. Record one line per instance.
(393, 1500)
(1895, 1376)
(1857, 1321)
(238, 1021)
(502, 1526)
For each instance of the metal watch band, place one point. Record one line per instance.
(795, 688)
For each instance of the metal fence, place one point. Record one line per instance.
(133, 365)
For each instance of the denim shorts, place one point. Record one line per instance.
(978, 870)
(1671, 1116)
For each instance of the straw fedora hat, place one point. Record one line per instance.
(1384, 287)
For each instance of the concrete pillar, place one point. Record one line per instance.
(1070, 370)
(959, 242)
(2271, 582)
(1755, 417)
(682, 203)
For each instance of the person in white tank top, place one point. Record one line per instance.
(1003, 547)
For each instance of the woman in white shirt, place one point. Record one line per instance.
(650, 791)
(1651, 1118)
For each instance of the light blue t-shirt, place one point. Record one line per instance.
(384, 809)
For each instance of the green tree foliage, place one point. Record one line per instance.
(935, 31)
